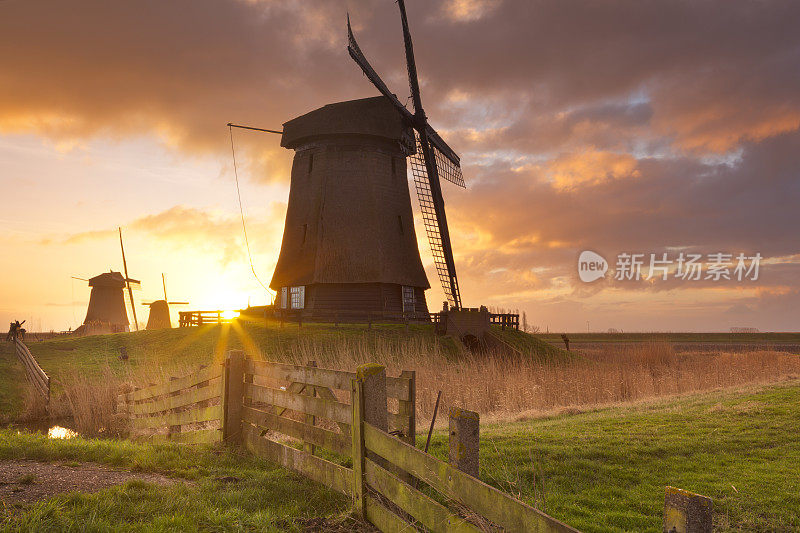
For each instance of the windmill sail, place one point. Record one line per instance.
(447, 160)
(431, 220)
(433, 159)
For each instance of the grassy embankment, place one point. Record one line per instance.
(603, 470)
(154, 355)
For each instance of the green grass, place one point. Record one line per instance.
(12, 378)
(603, 470)
(606, 470)
(266, 498)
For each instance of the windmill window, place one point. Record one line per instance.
(310, 163)
(298, 297)
(409, 300)
(400, 224)
(284, 297)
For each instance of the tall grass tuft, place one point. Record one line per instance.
(89, 400)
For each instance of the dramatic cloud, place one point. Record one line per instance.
(610, 126)
(219, 236)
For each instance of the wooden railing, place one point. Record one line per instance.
(294, 415)
(36, 376)
(198, 318)
(186, 409)
(510, 320)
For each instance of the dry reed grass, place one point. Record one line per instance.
(498, 386)
(34, 406)
(90, 399)
(503, 387)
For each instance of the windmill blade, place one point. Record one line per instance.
(431, 206)
(128, 281)
(447, 160)
(448, 164)
(178, 303)
(358, 57)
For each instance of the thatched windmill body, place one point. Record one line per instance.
(349, 243)
(107, 312)
(159, 317)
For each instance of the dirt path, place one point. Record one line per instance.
(30, 481)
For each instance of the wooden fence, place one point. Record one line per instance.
(504, 320)
(187, 409)
(198, 318)
(314, 421)
(36, 376)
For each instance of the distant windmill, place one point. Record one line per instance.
(107, 311)
(349, 244)
(159, 317)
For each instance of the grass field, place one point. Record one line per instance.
(602, 470)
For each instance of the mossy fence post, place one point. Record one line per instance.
(464, 440)
(408, 408)
(369, 405)
(233, 397)
(687, 512)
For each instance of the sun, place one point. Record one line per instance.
(229, 314)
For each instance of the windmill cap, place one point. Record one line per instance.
(108, 279)
(375, 117)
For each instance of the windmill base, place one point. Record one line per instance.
(469, 325)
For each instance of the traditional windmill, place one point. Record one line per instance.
(107, 311)
(349, 242)
(159, 317)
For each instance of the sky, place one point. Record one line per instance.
(617, 127)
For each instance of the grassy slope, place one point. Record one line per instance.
(526, 343)
(606, 470)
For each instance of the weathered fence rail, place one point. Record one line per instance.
(293, 415)
(36, 376)
(186, 409)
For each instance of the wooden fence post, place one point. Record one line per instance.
(464, 440)
(310, 391)
(687, 512)
(357, 432)
(233, 397)
(408, 408)
(369, 405)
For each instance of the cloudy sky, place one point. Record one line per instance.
(613, 126)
